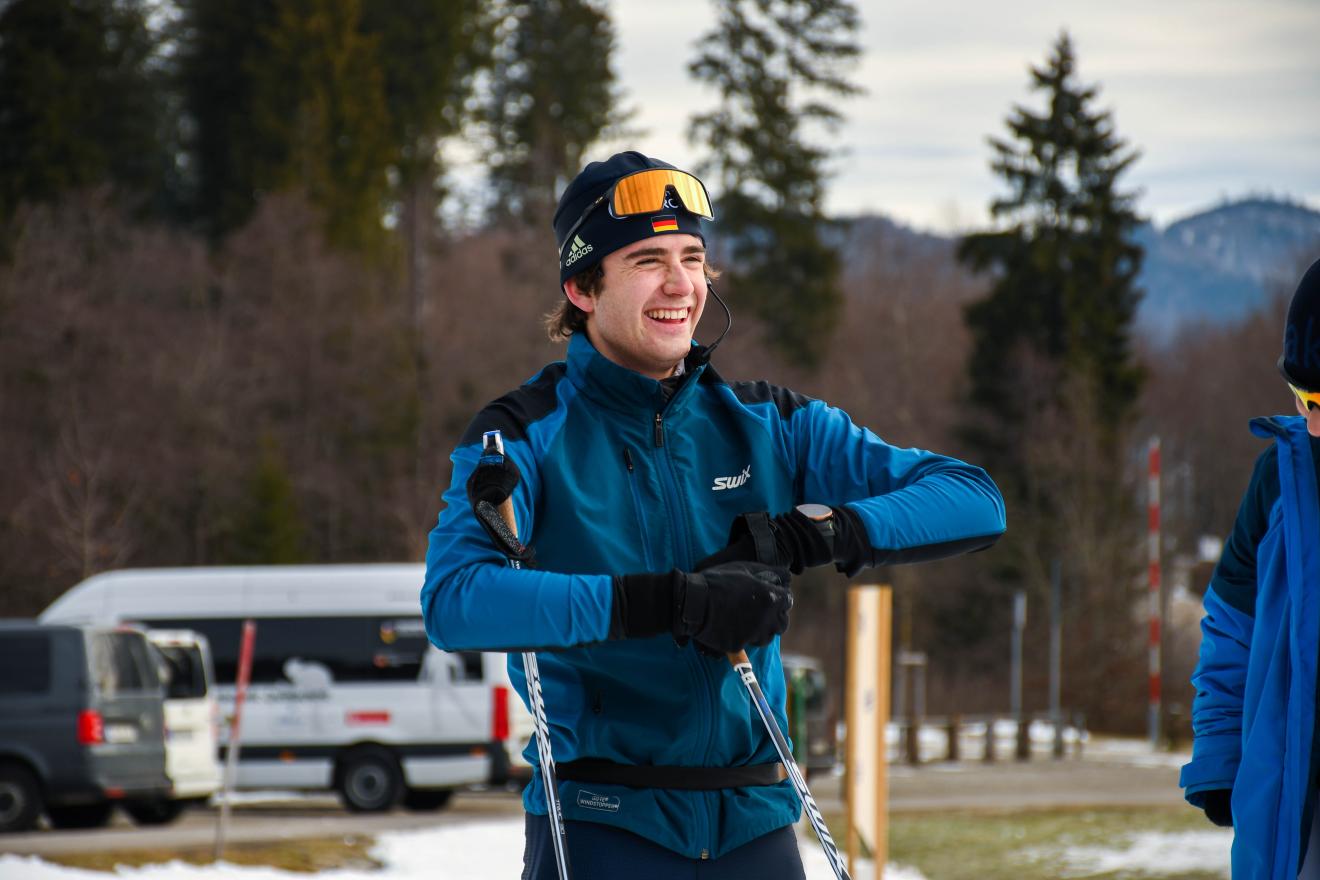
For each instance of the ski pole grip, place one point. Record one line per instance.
(492, 456)
(737, 657)
(506, 514)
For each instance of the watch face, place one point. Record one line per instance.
(816, 512)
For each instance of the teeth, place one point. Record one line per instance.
(668, 314)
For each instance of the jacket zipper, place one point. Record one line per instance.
(683, 560)
(641, 510)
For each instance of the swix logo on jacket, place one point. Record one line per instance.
(616, 478)
(722, 483)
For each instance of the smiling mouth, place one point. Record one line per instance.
(669, 316)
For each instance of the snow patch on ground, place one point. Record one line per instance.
(1136, 752)
(477, 851)
(1147, 852)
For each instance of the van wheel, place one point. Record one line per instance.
(157, 812)
(370, 780)
(20, 799)
(81, 816)
(427, 798)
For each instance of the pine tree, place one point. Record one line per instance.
(268, 529)
(286, 96)
(1064, 265)
(553, 94)
(80, 98)
(771, 60)
(1052, 378)
(431, 52)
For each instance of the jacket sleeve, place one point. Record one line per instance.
(472, 599)
(1220, 681)
(1221, 673)
(916, 505)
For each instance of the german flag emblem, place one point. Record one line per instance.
(664, 223)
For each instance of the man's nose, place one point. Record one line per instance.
(677, 280)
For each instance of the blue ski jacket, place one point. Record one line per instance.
(618, 477)
(1254, 712)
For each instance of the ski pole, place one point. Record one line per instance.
(503, 528)
(743, 667)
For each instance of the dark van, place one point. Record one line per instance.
(81, 724)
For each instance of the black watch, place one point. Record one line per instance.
(822, 517)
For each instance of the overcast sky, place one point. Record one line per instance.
(1222, 97)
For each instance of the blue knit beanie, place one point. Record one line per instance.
(1300, 361)
(602, 234)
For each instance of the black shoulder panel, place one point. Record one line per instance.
(784, 399)
(514, 412)
(1234, 577)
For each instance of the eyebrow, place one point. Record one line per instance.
(660, 252)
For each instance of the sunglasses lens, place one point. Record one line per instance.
(645, 193)
(1311, 399)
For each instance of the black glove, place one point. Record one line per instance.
(722, 609)
(794, 541)
(493, 479)
(1218, 806)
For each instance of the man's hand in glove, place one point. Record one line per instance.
(1218, 806)
(797, 541)
(722, 609)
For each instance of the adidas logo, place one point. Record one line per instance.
(732, 482)
(579, 250)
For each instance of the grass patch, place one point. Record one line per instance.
(304, 856)
(1021, 845)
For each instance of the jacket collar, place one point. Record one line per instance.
(605, 382)
(1279, 426)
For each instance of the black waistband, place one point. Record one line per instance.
(601, 772)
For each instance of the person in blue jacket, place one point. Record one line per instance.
(1254, 754)
(666, 508)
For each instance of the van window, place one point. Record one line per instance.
(351, 649)
(187, 677)
(225, 634)
(121, 662)
(24, 663)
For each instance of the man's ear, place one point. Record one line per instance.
(577, 297)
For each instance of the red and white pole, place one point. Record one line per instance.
(231, 745)
(1153, 554)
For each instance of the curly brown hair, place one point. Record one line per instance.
(566, 319)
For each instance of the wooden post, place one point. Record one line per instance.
(866, 710)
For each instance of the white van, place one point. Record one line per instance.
(346, 691)
(192, 717)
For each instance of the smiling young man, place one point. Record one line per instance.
(667, 508)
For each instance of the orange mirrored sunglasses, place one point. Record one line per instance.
(646, 192)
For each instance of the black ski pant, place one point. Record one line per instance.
(600, 852)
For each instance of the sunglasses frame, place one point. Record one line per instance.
(1309, 399)
(608, 196)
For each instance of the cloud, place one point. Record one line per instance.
(1219, 98)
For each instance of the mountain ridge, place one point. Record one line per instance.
(1212, 266)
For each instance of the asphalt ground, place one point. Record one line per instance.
(1130, 776)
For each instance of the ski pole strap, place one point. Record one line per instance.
(757, 525)
(601, 772)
